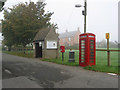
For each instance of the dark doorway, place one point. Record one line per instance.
(38, 50)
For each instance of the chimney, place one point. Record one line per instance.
(78, 29)
(66, 30)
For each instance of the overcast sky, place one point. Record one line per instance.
(102, 16)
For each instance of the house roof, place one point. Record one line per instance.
(40, 36)
(67, 34)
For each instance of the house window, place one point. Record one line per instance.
(69, 39)
(69, 44)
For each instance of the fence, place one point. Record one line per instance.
(101, 55)
(25, 52)
(109, 55)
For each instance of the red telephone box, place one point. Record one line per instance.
(62, 49)
(87, 49)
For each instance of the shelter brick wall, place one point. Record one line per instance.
(50, 53)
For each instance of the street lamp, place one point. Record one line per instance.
(84, 12)
(78, 5)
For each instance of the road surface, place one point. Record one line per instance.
(19, 72)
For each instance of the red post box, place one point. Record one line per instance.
(87, 49)
(62, 49)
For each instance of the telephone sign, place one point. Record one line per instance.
(107, 36)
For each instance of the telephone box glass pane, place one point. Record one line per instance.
(82, 55)
(91, 55)
(91, 40)
(91, 43)
(91, 46)
(82, 41)
(82, 52)
(82, 46)
(82, 60)
(91, 36)
(91, 52)
(83, 36)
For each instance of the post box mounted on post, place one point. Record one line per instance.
(62, 49)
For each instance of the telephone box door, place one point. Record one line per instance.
(82, 52)
(92, 51)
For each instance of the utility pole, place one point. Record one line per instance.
(85, 14)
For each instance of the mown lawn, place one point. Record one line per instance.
(101, 60)
(101, 63)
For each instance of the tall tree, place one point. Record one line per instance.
(7, 31)
(23, 21)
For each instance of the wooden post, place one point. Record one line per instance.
(62, 57)
(85, 14)
(57, 51)
(108, 52)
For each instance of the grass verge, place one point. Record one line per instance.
(59, 61)
(27, 55)
(99, 68)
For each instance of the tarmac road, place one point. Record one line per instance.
(19, 72)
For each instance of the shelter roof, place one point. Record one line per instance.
(40, 36)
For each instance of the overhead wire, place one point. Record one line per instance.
(71, 14)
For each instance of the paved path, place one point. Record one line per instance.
(34, 73)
